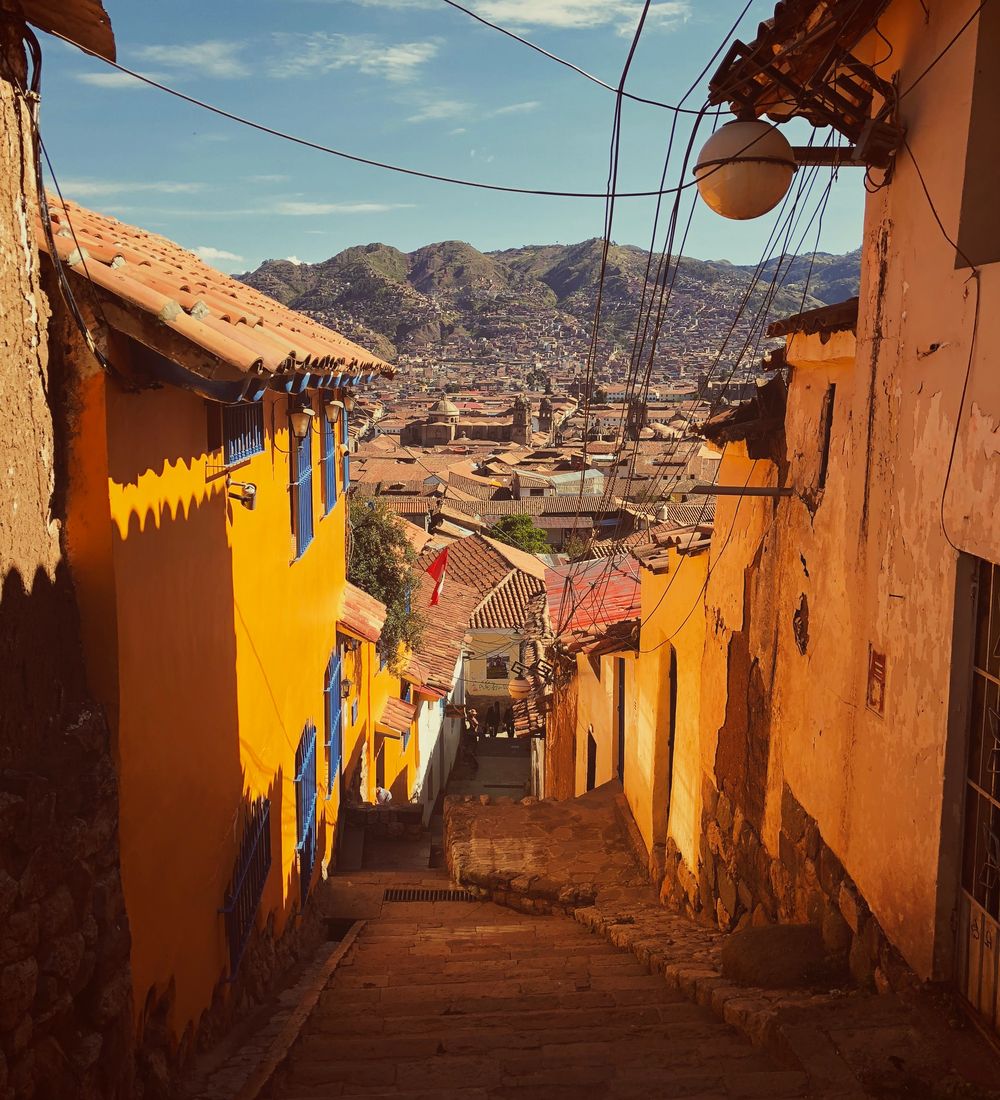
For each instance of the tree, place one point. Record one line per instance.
(384, 564)
(519, 531)
(576, 547)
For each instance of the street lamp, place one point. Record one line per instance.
(301, 418)
(745, 169)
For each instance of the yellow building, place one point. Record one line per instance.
(206, 532)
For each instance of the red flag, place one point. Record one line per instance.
(437, 570)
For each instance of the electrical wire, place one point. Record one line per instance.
(958, 34)
(974, 278)
(356, 158)
(569, 64)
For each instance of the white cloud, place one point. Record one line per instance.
(313, 209)
(323, 52)
(293, 260)
(578, 14)
(458, 130)
(438, 109)
(98, 188)
(112, 79)
(208, 253)
(276, 177)
(517, 108)
(218, 58)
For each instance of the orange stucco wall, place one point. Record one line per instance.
(210, 645)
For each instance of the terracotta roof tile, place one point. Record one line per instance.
(83, 21)
(397, 715)
(444, 629)
(361, 614)
(472, 561)
(506, 606)
(176, 294)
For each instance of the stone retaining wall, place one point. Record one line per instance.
(738, 882)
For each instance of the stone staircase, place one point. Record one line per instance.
(469, 1000)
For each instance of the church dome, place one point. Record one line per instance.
(442, 409)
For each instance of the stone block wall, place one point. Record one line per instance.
(739, 882)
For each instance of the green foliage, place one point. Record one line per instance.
(576, 548)
(521, 532)
(384, 564)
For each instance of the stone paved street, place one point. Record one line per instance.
(473, 1000)
(578, 858)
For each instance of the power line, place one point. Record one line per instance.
(569, 64)
(369, 161)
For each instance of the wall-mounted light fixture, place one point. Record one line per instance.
(346, 686)
(243, 491)
(348, 401)
(332, 409)
(301, 416)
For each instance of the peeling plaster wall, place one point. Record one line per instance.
(801, 588)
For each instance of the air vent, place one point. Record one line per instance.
(413, 894)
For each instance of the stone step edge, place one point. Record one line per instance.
(750, 1010)
(235, 1080)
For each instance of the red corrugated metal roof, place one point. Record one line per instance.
(604, 591)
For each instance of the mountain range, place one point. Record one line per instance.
(410, 302)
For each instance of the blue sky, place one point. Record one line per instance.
(409, 81)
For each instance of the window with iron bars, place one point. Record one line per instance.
(334, 719)
(302, 497)
(328, 449)
(242, 432)
(247, 885)
(305, 806)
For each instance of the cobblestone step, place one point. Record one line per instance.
(538, 1008)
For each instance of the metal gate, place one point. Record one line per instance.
(979, 899)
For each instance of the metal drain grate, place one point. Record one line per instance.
(399, 893)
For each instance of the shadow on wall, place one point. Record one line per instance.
(65, 985)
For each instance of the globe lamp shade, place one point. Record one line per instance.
(745, 169)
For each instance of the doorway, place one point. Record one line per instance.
(620, 715)
(977, 949)
(591, 759)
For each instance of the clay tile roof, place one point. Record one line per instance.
(472, 561)
(835, 318)
(212, 324)
(442, 635)
(654, 553)
(604, 591)
(397, 715)
(506, 606)
(361, 614)
(82, 21)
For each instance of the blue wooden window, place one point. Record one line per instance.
(302, 497)
(334, 729)
(406, 691)
(329, 458)
(305, 806)
(247, 885)
(354, 713)
(242, 432)
(346, 440)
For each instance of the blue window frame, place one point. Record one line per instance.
(247, 885)
(302, 497)
(334, 720)
(242, 432)
(305, 806)
(328, 451)
(406, 691)
(345, 439)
